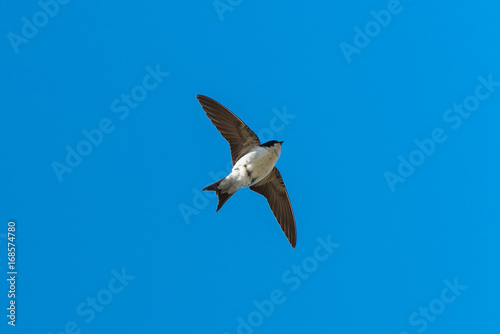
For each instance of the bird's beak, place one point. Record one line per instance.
(281, 142)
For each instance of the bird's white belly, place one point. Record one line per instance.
(252, 168)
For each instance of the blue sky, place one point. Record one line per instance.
(389, 115)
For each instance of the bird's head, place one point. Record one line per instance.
(273, 145)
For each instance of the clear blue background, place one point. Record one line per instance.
(122, 206)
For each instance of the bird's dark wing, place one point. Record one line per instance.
(241, 139)
(273, 189)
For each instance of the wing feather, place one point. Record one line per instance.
(274, 190)
(240, 137)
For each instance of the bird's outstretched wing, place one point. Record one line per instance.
(273, 189)
(241, 139)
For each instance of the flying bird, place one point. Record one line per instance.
(253, 166)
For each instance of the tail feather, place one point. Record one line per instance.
(223, 196)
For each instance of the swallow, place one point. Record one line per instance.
(253, 166)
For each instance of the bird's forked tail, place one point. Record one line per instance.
(221, 194)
